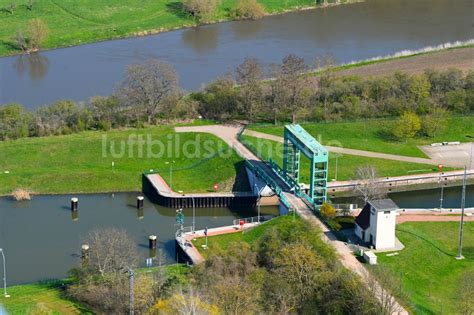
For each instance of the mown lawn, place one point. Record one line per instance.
(78, 22)
(39, 298)
(431, 276)
(83, 162)
(374, 135)
(347, 164)
(250, 236)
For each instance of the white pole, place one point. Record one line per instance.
(463, 202)
(337, 157)
(194, 215)
(4, 275)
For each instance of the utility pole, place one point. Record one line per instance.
(463, 202)
(442, 193)
(194, 215)
(5, 294)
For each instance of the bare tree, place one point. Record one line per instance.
(111, 250)
(38, 31)
(249, 77)
(382, 287)
(148, 85)
(292, 70)
(276, 97)
(203, 10)
(21, 41)
(186, 301)
(367, 185)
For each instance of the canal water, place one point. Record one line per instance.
(42, 240)
(428, 199)
(347, 32)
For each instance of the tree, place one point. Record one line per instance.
(327, 211)
(29, 5)
(219, 99)
(203, 10)
(111, 250)
(21, 41)
(11, 7)
(276, 97)
(407, 126)
(292, 70)
(37, 32)
(367, 185)
(186, 301)
(249, 77)
(435, 122)
(146, 86)
(248, 10)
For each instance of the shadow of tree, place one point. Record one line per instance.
(177, 9)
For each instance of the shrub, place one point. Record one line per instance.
(37, 32)
(407, 126)
(248, 10)
(327, 211)
(203, 10)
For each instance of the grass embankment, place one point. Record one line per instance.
(250, 236)
(431, 276)
(347, 164)
(49, 297)
(374, 135)
(82, 163)
(74, 23)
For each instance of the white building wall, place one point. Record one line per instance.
(385, 229)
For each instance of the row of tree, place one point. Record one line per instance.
(150, 93)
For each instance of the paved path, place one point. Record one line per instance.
(369, 154)
(432, 218)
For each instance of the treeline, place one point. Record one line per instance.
(150, 94)
(286, 270)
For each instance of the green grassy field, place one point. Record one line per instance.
(249, 236)
(73, 23)
(431, 275)
(373, 135)
(82, 163)
(39, 298)
(347, 164)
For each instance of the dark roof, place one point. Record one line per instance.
(383, 205)
(363, 219)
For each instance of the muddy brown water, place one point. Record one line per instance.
(347, 32)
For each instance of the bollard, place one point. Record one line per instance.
(74, 202)
(140, 214)
(140, 202)
(152, 241)
(85, 251)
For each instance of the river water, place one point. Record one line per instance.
(42, 240)
(347, 32)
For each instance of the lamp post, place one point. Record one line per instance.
(5, 294)
(171, 174)
(194, 214)
(463, 202)
(337, 155)
(442, 193)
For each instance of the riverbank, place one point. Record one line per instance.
(71, 23)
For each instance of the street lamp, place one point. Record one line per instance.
(337, 155)
(463, 202)
(442, 193)
(5, 294)
(258, 201)
(171, 174)
(194, 214)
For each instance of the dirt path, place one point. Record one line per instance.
(370, 154)
(461, 58)
(431, 218)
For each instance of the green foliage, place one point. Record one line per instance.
(327, 211)
(435, 123)
(248, 10)
(407, 126)
(202, 10)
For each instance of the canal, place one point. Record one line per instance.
(347, 32)
(42, 239)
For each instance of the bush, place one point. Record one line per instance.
(248, 10)
(407, 126)
(327, 211)
(203, 10)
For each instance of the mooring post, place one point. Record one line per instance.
(74, 202)
(140, 202)
(84, 251)
(152, 241)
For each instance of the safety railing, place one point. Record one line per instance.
(263, 218)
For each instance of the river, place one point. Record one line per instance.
(42, 240)
(347, 32)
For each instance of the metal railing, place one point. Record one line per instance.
(263, 218)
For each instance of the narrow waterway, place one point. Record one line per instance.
(42, 239)
(347, 32)
(427, 199)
